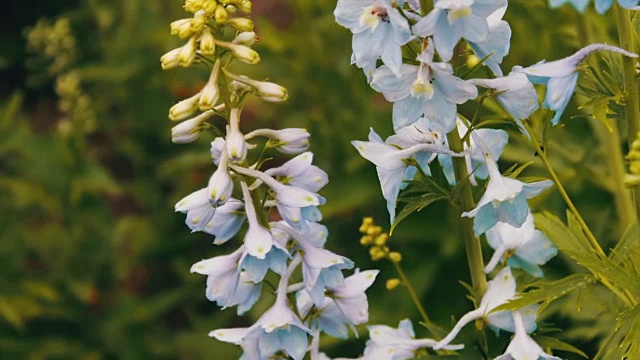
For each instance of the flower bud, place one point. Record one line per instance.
(220, 186)
(182, 28)
(198, 21)
(393, 283)
(210, 7)
(189, 130)
(184, 108)
(381, 239)
(268, 91)
(241, 24)
(188, 52)
(236, 146)
(220, 14)
(170, 59)
(193, 6)
(246, 38)
(207, 42)
(211, 92)
(289, 141)
(245, 6)
(244, 53)
(395, 256)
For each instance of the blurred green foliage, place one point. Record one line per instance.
(93, 260)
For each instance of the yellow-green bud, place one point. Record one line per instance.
(182, 28)
(210, 7)
(198, 21)
(244, 53)
(220, 14)
(366, 224)
(381, 239)
(241, 24)
(268, 91)
(246, 38)
(193, 6)
(393, 283)
(245, 6)
(211, 92)
(395, 256)
(366, 240)
(374, 230)
(170, 59)
(188, 52)
(184, 108)
(207, 42)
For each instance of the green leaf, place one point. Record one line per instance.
(549, 291)
(571, 240)
(555, 344)
(415, 204)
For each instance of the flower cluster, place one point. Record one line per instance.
(601, 5)
(277, 206)
(425, 92)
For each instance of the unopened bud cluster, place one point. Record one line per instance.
(633, 177)
(373, 236)
(326, 301)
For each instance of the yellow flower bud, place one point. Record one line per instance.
(207, 42)
(198, 21)
(381, 239)
(220, 14)
(188, 52)
(374, 230)
(395, 256)
(184, 108)
(241, 24)
(366, 240)
(182, 28)
(193, 6)
(245, 6)
(211, 92)
(393, 283)
(210, 7)
(170, 59)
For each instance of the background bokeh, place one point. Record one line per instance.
(94, 263)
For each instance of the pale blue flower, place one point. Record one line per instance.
(603, 5)
(523, 247)
(515, 93)
(561, 76)
(379, 31)
(496, 44)
(199, 210)
(226, 285)
(494, 141)
(522, 346)
(327, 316)
(504, 200)
(392, 163)
(390, 343)
(350, 296)
(430, 90)
(451, 20)
(226, 222)
(499, 290)
(287, 141)
(220, 185)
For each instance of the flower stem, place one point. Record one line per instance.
(632, 94)
(433, 328)
(545, 161)
(471, 242)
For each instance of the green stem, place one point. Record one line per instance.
(433, 328)
(632, 95)
(610, 139)
(545, 161)
(471, 242)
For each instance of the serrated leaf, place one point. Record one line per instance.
(549, 291)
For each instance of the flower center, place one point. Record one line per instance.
(373, 15)
(423, 86)
(459, 13)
